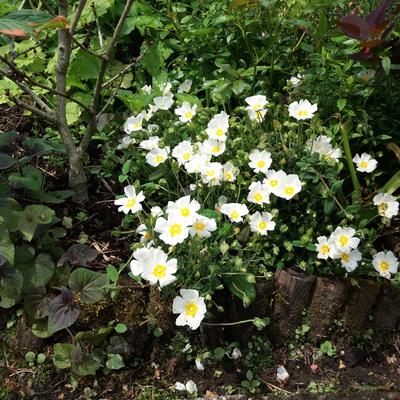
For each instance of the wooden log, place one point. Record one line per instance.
(359, 304)
(328, 298)
(387, 308)
(293, 288)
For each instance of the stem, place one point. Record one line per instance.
(346, 145)
(246, 321)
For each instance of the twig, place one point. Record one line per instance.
(272, 386)
(99, 32)
(40, 113)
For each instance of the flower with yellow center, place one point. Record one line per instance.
(183, 152)
(230, 172)
(350, 259)
(289, 186)
(203, 226)
(386, 263)
(262, 223)
(211, 173)
(260, 161)
(130, 203)
(365, 163)
(273, 179)
(186, 112)
(184, 208)
(235, 211)
(387, 204)
(190, 307)
(157, 156)
(302, 110)
(133, 124)
(172, 230)
(218, 127)
(344, 239)
(258, 193)
(326, 248)
(213, 147)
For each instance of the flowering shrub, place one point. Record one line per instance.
(225, 197)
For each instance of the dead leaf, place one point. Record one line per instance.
(341, 364)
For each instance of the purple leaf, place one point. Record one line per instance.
(376, 17)
(355, 27)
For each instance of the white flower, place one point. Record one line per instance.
(386, 263)
(157, 156)
(296, 80)
(190, 307)
(218, 127)
(387, 204)
(322, 146)
(302, 109)
(156, 211)
(234, 211)
(138, 263)
(213, 147)
(236, 353)
(258, 193)
(133, 124)
(180, 386)
(257, 102)
(196, 163)
(364, 162)
(183, 152)
(150, 143)
(256, 115)
(150, 112)
(203, 226)
(166, 88)
(126, 142)
(185, 86)
(191, 387)
(289, 187)
(344, 239)
(163, 102)
(172, 230)
(131, 202)
(146, 89)
(230, 172)
(157, 268)
(183, 208)
(144, 232)
(274, 180)
(152, 128)
(211, 173)
(350, 259)
(260, 161)
(199, 364)
(262, 223)
(186, 112)
(326, 248)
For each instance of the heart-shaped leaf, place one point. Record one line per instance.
(36, 302)
(78, 254)
(32, 217)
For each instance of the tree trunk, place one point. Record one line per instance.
(77, 178)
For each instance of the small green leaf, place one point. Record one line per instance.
(121, 328)
(115, 361)
(386, 65)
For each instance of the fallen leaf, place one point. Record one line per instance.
(341, 364)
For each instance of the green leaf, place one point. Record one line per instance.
(329, 206)
(62, 355)
(84, 66)
(30, 178)
(88, 284)
(55, 197)
(121, 328)
(6, 245)
(112, 273)
(73, 113)
(115, 361)
(6, 161)
(136, 102)
(242, 286)
(94, 338)
(39, 273)
(392, 184)
(341, 104)
(386, 65)
(83, 363)
(36, 302)
(32, 217)
(10, 283)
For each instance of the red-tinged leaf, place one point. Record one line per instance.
(57, 22)
(355, 27)
(13, 32)
(362, 55)
(371, 43)
(377, 16)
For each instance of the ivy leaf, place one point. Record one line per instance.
(88, 284)
(83, 363)
(115, 361)
(63, 311)
(62, 355)
(39, 272)
(78, 254)
(32, 217)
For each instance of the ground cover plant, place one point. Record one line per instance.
(198, 184)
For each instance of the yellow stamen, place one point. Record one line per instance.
(384, 266)
(234, 215)
(186, 156)
(191, 309)
(131, 203)
(219, 132)
(261, 164)
(258, 197)
(363, 164)
(273, 182)
(289, 190)
(199, 226)
(188, 115)
(159, 159)
(175, 229)
(216, 149)
(345, 257)
(185, 212)
(325, 249)
(344, 241)
(302, 113)
(160, 271)
(262, 225)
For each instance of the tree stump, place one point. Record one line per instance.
(359, 304)
(387, 309)
(328, 298)
(293, 289)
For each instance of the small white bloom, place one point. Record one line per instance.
(133, 124)
(186, 112)
(230, 172)
(218, 127)
(289, 187)
(257, 102)
(282, 376)
(180, 386)
(296, 80)
(156, 211)
(190, 307)
(387, 204)
(150, 144)
(262, 223)
(302, 110)
(213, 147)
(138, 263)
(145, 233)
(199, 364)
(146, 89)
(364, 162)
(183, 208)
(183, 152)
(386, 263)
(344, 239)
(326, 248)
(322, 146)
(131, 202)
(211, 173)
(274, 180)
(202, 226)
(157, 268)
(350, 259)
(163, 102)
(172, 230)
(152, 128)
(150, 112)
(258, 193)
(236, 353)
(257, 116)
(126, 142)
(260, 161)
(185, 86)
(234, 211)
(157, 156)
(191, 387)
(196, 163)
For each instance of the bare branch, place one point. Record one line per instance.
(99, 32)
(39, 113)
(100, 78)
(77, 16)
